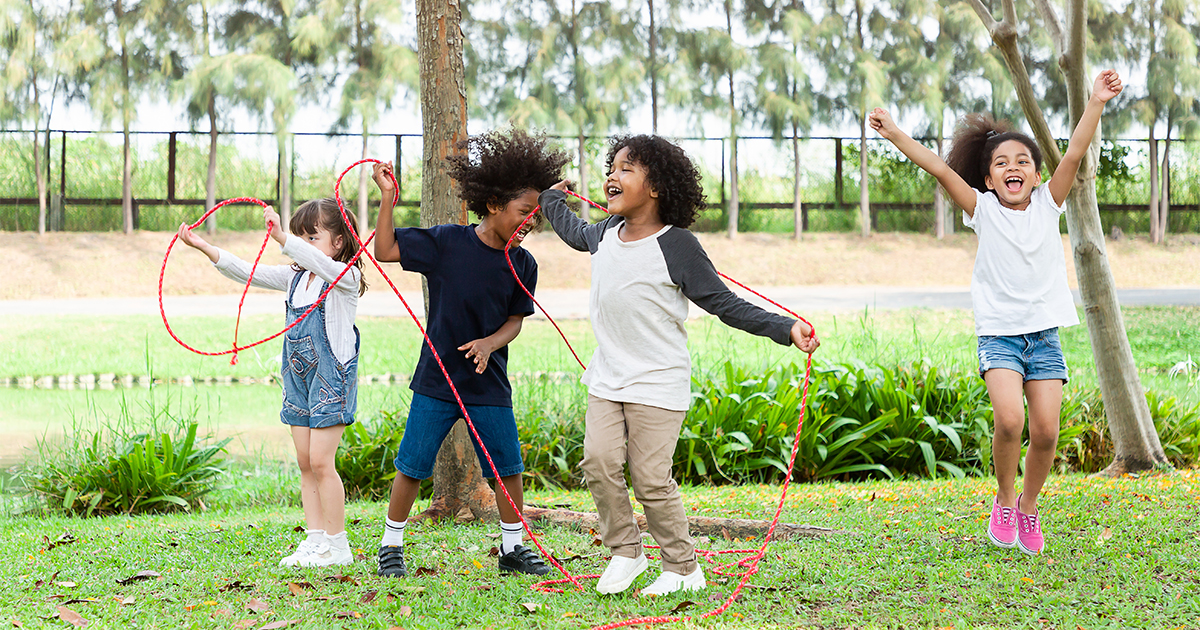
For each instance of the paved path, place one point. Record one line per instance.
(569, 303)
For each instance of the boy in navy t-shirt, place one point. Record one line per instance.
(475, 311)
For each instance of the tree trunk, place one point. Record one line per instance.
(285, 181)
(458, 487)
(37, 162)
(727, 528)
(734, 202)
(210, 184)
(1155, 230)
(364, 177)
(1164, 197)
(940, 216)
(583, 172)
(653, 73)
(864, 193)
(1135, 441)
(126, 114)
(797, 204)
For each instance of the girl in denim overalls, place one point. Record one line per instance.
(1019, 289)
(320, 359)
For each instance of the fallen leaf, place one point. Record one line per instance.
(530, 607)
(128, 601)
(342, 578)
(325, 598)
(235, 585)
(71, 617)
(347, 614)
(484, 587)
(405, 611)
(296, 588)
(568, 615)
(395, 628)
(683, 605)
(258, 606)
(77, 600)
(245, 623)
(368, 597)
(298, 528)
(17, 623)
(280, 624)
(66, 584)
(1106, 534)
(140, 575)
(425, 571)
(65, 539)
(222, 612)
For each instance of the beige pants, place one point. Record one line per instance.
(644, 437)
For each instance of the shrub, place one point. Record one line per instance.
(365, 454)
(109, 471)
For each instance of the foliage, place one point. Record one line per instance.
(364, 456)
(112, 471)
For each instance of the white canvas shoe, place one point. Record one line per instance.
(326, 555)
(670, 582)
(620, 573)
(302, 551)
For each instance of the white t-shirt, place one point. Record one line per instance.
(1020, 281)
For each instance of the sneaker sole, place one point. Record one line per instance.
(1000, 543)
(624, 585)
(1027, 551)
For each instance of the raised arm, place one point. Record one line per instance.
(386, 249)
(1106, 86)
(960, 191)
(574, 231)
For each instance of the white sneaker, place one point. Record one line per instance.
(326, 555)
(305, 548)
(620, 573)
(670, 582)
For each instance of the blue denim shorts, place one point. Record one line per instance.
(1035, 356)
(318, 391)
(430, 421)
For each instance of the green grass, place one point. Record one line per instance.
(1122, 554)
(1160, 337)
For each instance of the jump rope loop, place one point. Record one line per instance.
(750, 564)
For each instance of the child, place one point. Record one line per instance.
(645, 267)
(320, 360)
(1018, 290)
(475, 311)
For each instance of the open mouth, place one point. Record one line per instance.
(1014, 184)
(612, 191)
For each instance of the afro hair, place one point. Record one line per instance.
(500, 165)
(670, 173)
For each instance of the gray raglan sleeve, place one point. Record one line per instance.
(574, 231)
(690, 268)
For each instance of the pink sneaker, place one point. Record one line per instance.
(1029, 532)
(1002, 530)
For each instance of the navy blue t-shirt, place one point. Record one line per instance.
(472, 293)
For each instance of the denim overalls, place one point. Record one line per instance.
(318, 391)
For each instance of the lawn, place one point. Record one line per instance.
(1122, 553)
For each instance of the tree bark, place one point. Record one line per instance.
(940, 218)
(210, 184)
(1164, 197)
(734, 201)
(653, 73)
(1155, 230)
(285, 181)
(864, 193)
(458, 487)
(364, 177)
(1135, 441)
(728, 528)
(797, 205)
(37, 156)
(583, 172)
(126, 114)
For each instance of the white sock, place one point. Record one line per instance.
(315, 536)
(393, 533)
(338, 540)
(510, 536)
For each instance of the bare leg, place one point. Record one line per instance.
(1045, 403)
(404, 493)
(1008, 408)
(331, 494)
(516, 490)
(310, 499)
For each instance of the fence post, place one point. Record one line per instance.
(837, 171)
(171, 167)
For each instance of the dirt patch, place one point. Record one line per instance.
(67, 265)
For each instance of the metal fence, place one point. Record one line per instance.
(83, 172)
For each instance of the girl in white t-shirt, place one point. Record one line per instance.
(1018, 290)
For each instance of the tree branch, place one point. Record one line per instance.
(708, 526)
(1052, 25)
(985, 15)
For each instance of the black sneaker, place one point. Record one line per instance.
(391, 561)
(522, 559)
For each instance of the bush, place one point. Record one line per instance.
(365, 454)
(109, 471)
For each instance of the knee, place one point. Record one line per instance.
(303, 461)
(1045, 439)
(605, 466)
(323, 469)
(1008, 429)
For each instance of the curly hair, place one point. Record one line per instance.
(500, 165)
(670, 173)
(975, 140)
(325, 213)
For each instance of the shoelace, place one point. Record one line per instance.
(1029, 523)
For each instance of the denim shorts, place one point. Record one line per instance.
(430, 421)
(1035, 356)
